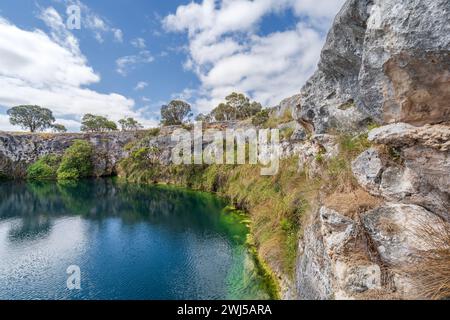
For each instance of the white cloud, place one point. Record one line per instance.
(50, 71)
(138, 43)
(227, 54)
(118, 35)
(5, 125)
(128, 63)
(141, 85)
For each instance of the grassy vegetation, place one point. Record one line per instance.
(277, 205)
(274, 122)
(431, 270)
(44, 169)
(76, 163)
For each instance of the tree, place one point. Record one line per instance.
(59, 128)
(33, 118)
(260, 118)
(130, 124)
(224, 112)
(175, 113)
(203, 117)
(236, 107)
(93, 123)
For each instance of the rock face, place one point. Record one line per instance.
(388, 62)
(419, 176)
(18, 151)
(384, 60)
(327, 268)
(287, 107)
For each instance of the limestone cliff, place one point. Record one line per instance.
(18, 151)
(385, 62)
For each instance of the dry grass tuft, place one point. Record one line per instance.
(351, 203)
(430, 274)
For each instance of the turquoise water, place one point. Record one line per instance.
(129, 241)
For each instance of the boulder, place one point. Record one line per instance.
(395, 230)
(403, 135)
(336, 230)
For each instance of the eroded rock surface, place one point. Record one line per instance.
(386, 60)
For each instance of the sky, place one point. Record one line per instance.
(130, 57)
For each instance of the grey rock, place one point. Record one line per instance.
(354, 279)
(403, 135)
(329, 97)
(395, 231)
(337, 229)
(367, 169)
(314, 275)
(287, 107)
(386, 60)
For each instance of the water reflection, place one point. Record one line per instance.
(131, 242)
(35, 203)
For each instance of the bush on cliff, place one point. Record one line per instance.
(44, 169)
(76, 162)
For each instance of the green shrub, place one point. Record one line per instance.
(76, 162)
(261, 118)
(44, 169)
(153, 132)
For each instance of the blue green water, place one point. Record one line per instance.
(129, 241)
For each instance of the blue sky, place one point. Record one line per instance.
(130, 57)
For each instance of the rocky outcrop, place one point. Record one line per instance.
(18, 151)
(329, 268)
(420, 172)
(287, 107)
(383, 60)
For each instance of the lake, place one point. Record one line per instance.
(129, 242)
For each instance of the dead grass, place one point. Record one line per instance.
(430, 274)
(351, 203)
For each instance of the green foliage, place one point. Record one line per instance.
(44, 169)
(175, 113)
(204, 118)
(287, 133)
(140, 154)
(224, 112)
(59, 128)
(260, 118)
(94, 123)
(33, 118)
(272, 202)
(154, 132)
(236, 107)
(129, 124)
(76, 162)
